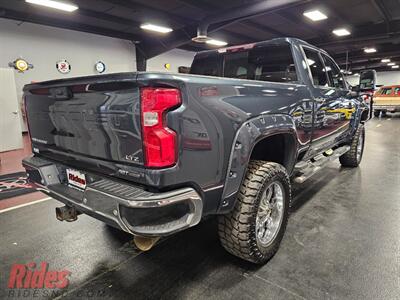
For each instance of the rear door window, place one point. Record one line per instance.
(316, 67)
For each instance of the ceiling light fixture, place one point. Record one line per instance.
(54, 4)
(391, 64)
(315, 15)
(356, 74)
(341, 32)
(216, 42)
(369, 50)
(155, 28)
(385, 60)
(395, 67)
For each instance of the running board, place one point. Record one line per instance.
(306, 169)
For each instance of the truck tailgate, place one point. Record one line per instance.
(96, 116)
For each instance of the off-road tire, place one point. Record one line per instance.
(350, 159)
(377, 113)
(237, 230)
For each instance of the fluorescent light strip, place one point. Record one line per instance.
(385, 60)
(395, 67)
(315, 15)
(391, 64)
(54, 4)
(341, 32)
(369, 50)
(216, 42)
(156, 28)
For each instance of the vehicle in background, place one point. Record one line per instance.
(155, 153)
(387, 99)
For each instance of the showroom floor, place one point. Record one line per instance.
(342, 242)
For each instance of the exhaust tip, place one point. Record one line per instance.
(145, 243)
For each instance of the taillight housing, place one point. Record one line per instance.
(159, 141)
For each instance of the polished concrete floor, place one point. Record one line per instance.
(342, 242)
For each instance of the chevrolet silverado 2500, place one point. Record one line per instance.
(155, 153)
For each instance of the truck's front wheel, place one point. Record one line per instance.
(255, 227)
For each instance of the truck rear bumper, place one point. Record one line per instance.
(122, 205)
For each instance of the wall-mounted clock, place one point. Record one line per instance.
(100, 67)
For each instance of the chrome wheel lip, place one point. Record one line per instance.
(360, 146)
(270, 213)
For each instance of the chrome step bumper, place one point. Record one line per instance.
(123, 205)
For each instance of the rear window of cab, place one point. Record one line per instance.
(385, 91)
(389, 91)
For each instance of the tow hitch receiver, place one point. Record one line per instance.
(67, 213)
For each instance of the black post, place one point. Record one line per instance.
(141, 59)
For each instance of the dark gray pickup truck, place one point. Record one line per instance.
(155, 153)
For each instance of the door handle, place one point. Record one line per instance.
(15, 112)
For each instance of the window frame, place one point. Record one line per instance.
(309, 69)
(345, 88)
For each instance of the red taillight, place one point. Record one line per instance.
(159, 141)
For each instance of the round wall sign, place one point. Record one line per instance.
(21, 65)
(100, 67)
(63, 66)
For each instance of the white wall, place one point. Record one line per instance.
(175, 58)
(383, 78)
(43, 46)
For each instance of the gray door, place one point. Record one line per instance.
(330, 116)
(10, 114)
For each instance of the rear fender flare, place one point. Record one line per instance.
(248, 135)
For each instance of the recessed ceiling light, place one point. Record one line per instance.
(216, 42)
(315, 15)
(155, 28)
(356, 74)
(369, 50)
(341, 32)
(391, 64)
(54, 4)
(395, 67)
(385, 60)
